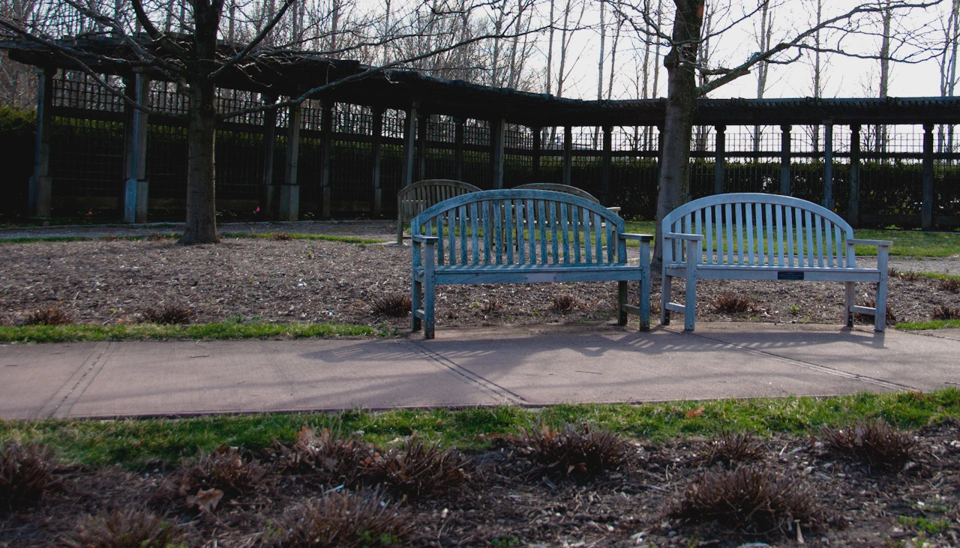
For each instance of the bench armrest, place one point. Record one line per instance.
(429, 240)
(682, 236)
(640, 237)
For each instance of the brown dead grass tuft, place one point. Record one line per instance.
(226, 470)
(731, 303)
(126, 528)
(874, 443)
(396, 305)
(348, 520)
(749, 500)
(564, 303)
(949, 284)
(327, 457)
(732, 447)
(168, 314)
(418, 469)
(944, 312)
(571, 451)
(26, 474)
(48, 316)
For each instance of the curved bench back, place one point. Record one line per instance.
(414, 199)
(521, 227)
(558, 187)
(761, 229)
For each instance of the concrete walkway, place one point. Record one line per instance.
(512, 366)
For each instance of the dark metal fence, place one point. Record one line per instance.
(88, 143)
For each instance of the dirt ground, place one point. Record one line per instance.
(507, 502)
(108, 281)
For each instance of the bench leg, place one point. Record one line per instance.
(851, 294)
(690, 304)
(880, 320)
(622, 302)
(429, 290)
(645, 304)
(416, 299)
(664, 299)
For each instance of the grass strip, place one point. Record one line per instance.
(145, 331)
(140, 444)
(924, 326)
(176, 236)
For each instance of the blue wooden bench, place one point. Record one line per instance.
(755, 236)
(523, 236)
(416, 198)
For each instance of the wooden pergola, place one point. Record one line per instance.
(279, 74)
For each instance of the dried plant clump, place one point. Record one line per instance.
(492, 306)
(160, 237)
(949, 284)
(26, 474)
(906, 276)
(48, 316)
(944, 312)
(396, 305)
(732, 447)
(731, 303)
(281, 236)
(126, 528)
(332, 459)
(418, 469)
(168, 314)
(571, 451)
(874, 443)
(345, 520)
(563, 303)
(224, 470)
(749, 500)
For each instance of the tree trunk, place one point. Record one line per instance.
(681, 108)
(201, 226)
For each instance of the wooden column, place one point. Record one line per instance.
(269, 194)
(409, 141)
(422, 121)
(326, 136)
(458, 149)
(926, 208)
(567, 155)
(853, 213)
(136, 187)
(537, 151)
(497, 128)
(785, 160)
(828, 165)
(720, 161)
(376, 159)
(290, 189)
(41, 183)
(606, 162)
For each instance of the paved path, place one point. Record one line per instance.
(513, 366)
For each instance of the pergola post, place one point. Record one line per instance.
(41, 183)
(326, 136)
(290, 189)
(497, 128)
(926, 207)
(720, 162)
(537, 151)
(606, 162)
(269, 194)
(458, 148)
(567, 155)
(409, 141)
(828, 165)
(422, 125)
(785, 157)
(376, 159)
(136, 187)
(853, 214)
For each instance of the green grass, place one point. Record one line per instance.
(932, 324)
(218, 331)
(140, 444)
(176, 236)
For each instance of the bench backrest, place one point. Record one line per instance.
(414, 199)
(761, 229)
(558, 187)
(521, 227)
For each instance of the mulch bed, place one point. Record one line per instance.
(506, 502)
(111, 281)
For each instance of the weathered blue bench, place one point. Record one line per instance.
(523, 236)
(416, 198)
(754, 236)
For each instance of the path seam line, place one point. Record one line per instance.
(469, 376)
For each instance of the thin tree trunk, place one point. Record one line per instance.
(680, 111)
